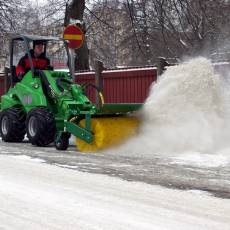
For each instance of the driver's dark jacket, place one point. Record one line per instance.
(40, 62)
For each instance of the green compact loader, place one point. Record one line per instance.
(48, 107)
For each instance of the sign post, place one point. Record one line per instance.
(75, 37)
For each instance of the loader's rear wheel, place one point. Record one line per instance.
(12, 125)
(40, 126)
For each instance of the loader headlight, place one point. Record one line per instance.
(36, 85)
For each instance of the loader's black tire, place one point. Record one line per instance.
(63, 142)
(12, 124)
(40, 126)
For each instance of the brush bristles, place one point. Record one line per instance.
(108, 132)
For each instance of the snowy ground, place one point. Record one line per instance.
(34, 195)
(188, 171)
(174, 174)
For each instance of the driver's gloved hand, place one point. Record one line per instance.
(37, 72)
(20, 76)
(50, 67)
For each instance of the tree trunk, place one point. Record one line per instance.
(75, 10)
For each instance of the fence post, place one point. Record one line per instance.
(161, 64)
(98, 81)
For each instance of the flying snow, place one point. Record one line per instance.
(187, 110)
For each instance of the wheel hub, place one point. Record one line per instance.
(5, 125)
(32, 126)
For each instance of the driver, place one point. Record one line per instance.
(40, 61)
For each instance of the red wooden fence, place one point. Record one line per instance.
(129, 85)
(121, 86)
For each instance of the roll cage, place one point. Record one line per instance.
(27, 39)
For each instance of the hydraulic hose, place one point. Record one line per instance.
(86, 85)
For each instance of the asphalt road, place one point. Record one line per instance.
(157, 170)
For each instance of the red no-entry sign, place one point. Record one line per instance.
(74, 35)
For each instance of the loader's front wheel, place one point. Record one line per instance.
(12, 125)
(40, 126)
(62, 143)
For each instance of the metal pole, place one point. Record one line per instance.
(72, 63)
(7, 79)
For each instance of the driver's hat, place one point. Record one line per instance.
(39, 42)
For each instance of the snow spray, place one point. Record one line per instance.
(188, 109)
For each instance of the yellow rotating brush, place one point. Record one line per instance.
(108, 132)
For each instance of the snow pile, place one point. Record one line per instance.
(188, 109)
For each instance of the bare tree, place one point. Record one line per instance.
(75, 10)
(135, 32)
(179, 27)
(10, 12)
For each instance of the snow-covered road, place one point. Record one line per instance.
(34, 195)
(193, 171)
